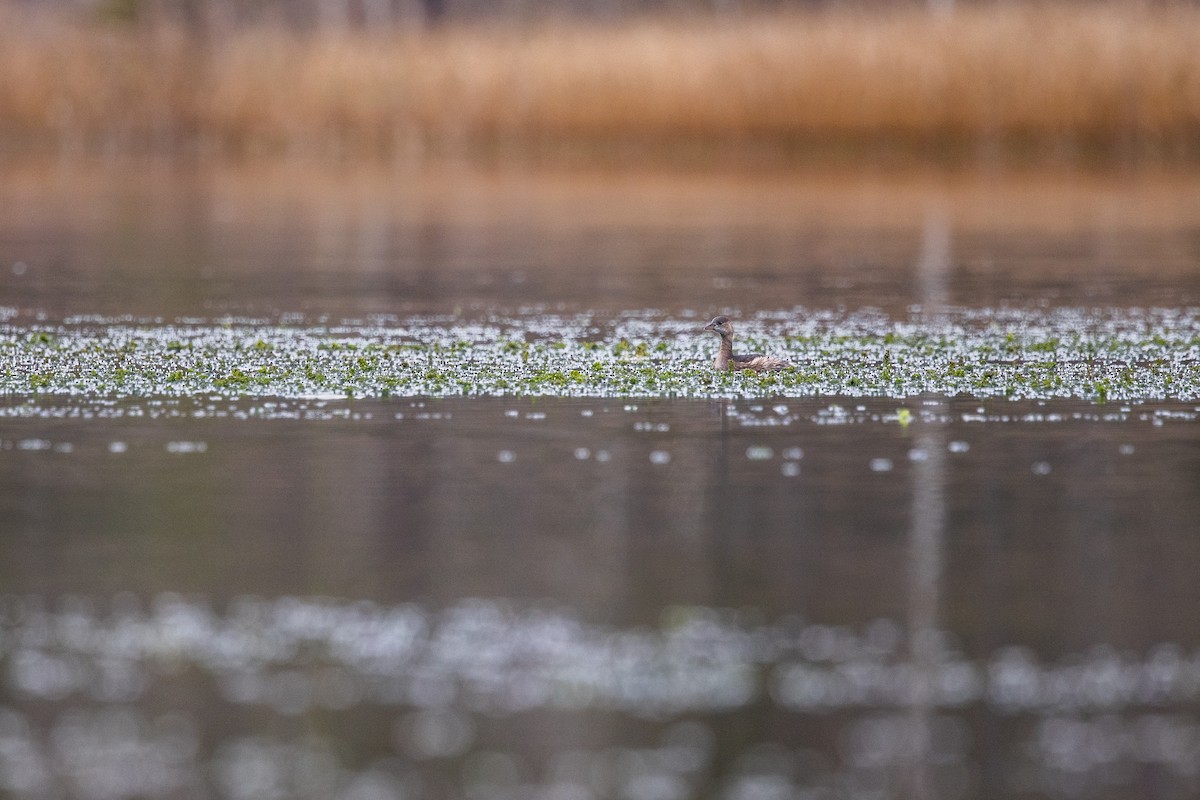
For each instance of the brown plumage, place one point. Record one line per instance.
(726, 359)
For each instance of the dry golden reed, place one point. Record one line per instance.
(1090, 75)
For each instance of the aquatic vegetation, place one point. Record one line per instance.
(1098, 355)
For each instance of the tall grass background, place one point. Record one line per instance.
(1108, 78)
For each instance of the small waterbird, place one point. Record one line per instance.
(726, 359)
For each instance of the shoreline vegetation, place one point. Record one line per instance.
(1067, 83)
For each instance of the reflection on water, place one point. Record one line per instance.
(448, 687)
(170, 241)
(482, 598)
(217, 595)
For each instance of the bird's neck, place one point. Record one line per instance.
(725, 354)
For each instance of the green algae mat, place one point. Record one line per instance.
(1093, 354)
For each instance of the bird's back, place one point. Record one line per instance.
(757, 362)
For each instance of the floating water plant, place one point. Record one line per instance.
(1108, 355)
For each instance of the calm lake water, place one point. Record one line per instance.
(589, 598)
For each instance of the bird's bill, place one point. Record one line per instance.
(712, 326)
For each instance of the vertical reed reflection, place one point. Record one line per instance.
(926, 538)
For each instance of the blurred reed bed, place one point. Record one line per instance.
(1109, 77)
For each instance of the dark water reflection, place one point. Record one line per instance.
(619, 510)
(591, 599)
(176, 241)
(586, 598)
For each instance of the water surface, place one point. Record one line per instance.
(155, 240)
(216, 592)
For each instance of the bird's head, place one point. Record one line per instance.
(720, 326)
